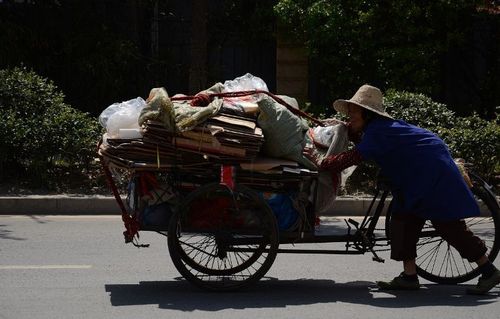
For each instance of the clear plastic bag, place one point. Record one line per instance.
(244, 104)
(333, 139)
(122, 116)
(245, 82)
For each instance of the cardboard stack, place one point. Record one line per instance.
(270, 174)
(224, 138)
(196, 155)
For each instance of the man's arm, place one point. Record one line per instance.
(341, 161)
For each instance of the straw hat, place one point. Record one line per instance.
(368, 97)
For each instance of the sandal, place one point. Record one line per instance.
(400, 282)
(485, 284)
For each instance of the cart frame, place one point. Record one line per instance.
(256, 248)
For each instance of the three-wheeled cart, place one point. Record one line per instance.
(223, 235)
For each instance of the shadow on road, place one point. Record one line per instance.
(7, 234)
(39, 220)
(273, 293)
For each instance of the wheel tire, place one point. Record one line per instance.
(222, 239)
(439, 262)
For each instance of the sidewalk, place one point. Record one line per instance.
(106, 205)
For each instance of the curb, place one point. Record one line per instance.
(58, 205)
(106, 205)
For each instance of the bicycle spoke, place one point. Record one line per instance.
(196, 248)
(444, 262)
(432, 255)
(202, 250)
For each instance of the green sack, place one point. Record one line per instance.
(284, 132)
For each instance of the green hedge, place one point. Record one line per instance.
(477, 141)
(419, 110)
(41, 133)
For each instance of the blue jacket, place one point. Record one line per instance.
(424, 178)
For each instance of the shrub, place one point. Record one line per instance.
(396, 44)
(477, 141)
(419, 110)
(40, 131)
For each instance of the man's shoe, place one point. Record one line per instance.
(485, 284)
(399, 283)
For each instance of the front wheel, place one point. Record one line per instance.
(439, 262)
(223, 239)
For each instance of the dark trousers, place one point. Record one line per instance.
(406, 228)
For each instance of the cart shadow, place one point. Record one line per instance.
(274, 293)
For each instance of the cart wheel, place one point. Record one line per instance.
(439, 262)
(223, 239)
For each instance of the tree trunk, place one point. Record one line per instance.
(198, 52)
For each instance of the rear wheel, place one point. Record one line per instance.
(223, 239)
(439, 262)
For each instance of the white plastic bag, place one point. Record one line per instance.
(333, 138)
(122, 116)
(245, 104)
(245, 82)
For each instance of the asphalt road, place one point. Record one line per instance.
(78, 267)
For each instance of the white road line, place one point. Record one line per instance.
(23, 267)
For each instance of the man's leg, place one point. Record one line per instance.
(472, 248)
(410, 267)
(405, 231)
